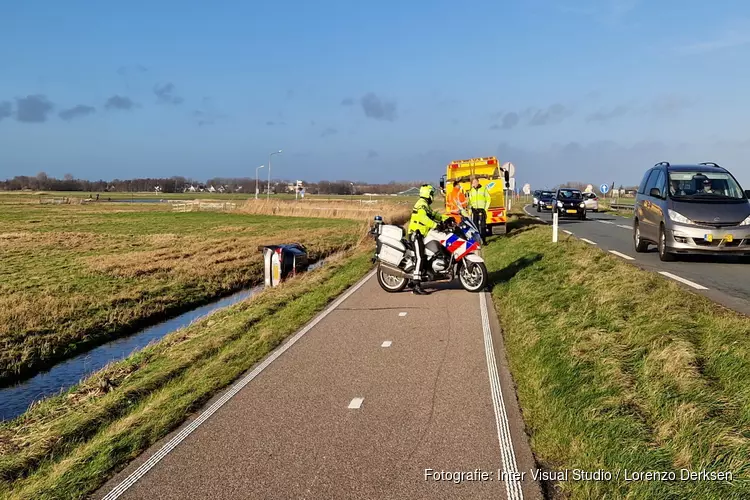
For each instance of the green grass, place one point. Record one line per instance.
(617, 368)
(73, 276)
(68, 446)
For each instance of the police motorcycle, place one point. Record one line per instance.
(450, 250)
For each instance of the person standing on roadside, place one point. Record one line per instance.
(479, 201)
(456, 201)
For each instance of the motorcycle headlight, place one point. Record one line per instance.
(582, 205)
(559, 204)
(745, 222)
(679, 218)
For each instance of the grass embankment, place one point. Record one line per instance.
(69, 445)
(618, 368)
(73, 276)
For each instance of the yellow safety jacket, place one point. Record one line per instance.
(479, 198)
(423, 218)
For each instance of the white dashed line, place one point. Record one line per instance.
(604, 221)
(402, 314)
(386, 343)
(626, 257)
(356, 403)
(683, 280)
(566, 231)
(624, 226)
(588, 241)
(176, 440)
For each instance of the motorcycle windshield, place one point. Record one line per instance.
(468, 231)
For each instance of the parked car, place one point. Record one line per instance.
(691, 209)
(591, 201)
(568, 202)
(536, 197)
(545, 201)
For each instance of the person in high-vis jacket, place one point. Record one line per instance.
(479, 201)
(456, 202)
(423, 218)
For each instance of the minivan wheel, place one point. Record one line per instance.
(664, 256)
(640, 245)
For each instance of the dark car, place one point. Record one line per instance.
(569, 202)
(545, 201)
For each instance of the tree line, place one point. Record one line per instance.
(179, 184)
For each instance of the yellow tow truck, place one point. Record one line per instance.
(491, 175)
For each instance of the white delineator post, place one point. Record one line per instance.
(554, 226)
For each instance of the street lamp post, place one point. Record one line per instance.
(268, 194)
(256, 181)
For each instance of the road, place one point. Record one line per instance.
(374, 391)
(726, 280)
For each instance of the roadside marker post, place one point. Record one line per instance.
(554, 226)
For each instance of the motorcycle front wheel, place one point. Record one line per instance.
(474, 280)
(390, 283)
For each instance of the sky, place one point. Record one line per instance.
(567, 90)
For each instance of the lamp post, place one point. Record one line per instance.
(268, 194)
(256, 181)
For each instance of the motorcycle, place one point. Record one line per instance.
(450, 250)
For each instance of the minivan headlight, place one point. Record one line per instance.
(582, 205)
(559, 204)
(745, 222)
(678, 217)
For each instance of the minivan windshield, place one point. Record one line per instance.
(570, 193)
(697, 185)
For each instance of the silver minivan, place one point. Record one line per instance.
(691, 209)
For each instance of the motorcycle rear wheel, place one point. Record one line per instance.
(390, 283)
(474, 280)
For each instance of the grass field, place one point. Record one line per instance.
(617, 368)
(76, 275)
(68, 446)
(35, 196)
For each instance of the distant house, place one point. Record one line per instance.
(211, 189)
(413, 191)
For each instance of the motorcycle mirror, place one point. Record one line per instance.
(442, 183)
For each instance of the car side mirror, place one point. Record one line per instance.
(655, 192)
(747, 193)
(442, 183)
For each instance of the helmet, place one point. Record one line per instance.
(427, 192)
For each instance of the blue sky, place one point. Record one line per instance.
(590, 90)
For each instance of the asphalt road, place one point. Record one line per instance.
(726, 280)
(365, 400)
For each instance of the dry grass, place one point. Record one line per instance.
(74, 276)
(331, 209)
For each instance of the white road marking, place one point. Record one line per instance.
(683, 280)
(566, 231)
(588, 241)
(386, 343)
(626, 257)
(624, 226)
(604, 221)
(356, 403)
(402, 314)
(172, 443)
(508, 455)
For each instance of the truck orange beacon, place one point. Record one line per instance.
(491, 175)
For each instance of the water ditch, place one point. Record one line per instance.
(16, 399)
